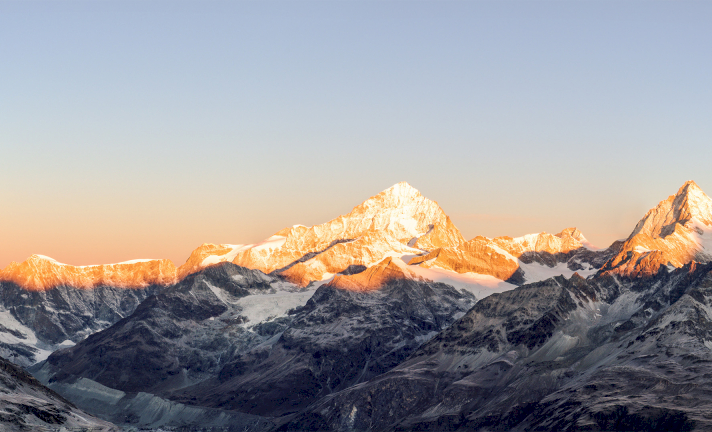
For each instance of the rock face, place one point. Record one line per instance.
(396, 220)
(46, 305)
(25, 405)
(599, 354)
(677, 231)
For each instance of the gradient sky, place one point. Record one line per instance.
(143, 129)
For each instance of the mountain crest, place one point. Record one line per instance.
(41, 273)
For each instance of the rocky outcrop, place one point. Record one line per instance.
(372, 278)
(479, 255)
(677, 231)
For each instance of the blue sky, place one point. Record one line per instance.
(143, 129)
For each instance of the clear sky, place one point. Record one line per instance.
(141, 129)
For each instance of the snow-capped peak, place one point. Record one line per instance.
(689, 203)
(399, 213)
(673, 233)
(402, 190)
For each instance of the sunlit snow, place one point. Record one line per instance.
(535, 272)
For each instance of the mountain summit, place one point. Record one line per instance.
(689, 204)
(678, 230)
(398, 221)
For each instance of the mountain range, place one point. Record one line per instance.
(385, 318)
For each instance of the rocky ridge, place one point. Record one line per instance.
(41, 273)
(399, 222)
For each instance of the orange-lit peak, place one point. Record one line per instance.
(370, 279)
(675, 232)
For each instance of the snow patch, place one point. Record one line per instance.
(66, 344)
(46, 258)
(535, 272)
(703, 236)
(261, 307)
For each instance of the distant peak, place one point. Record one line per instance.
(690, 202)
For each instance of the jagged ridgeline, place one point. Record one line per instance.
(385, 318)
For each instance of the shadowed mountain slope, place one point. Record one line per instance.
(602, 354)
(26, 405)
(177, 344)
